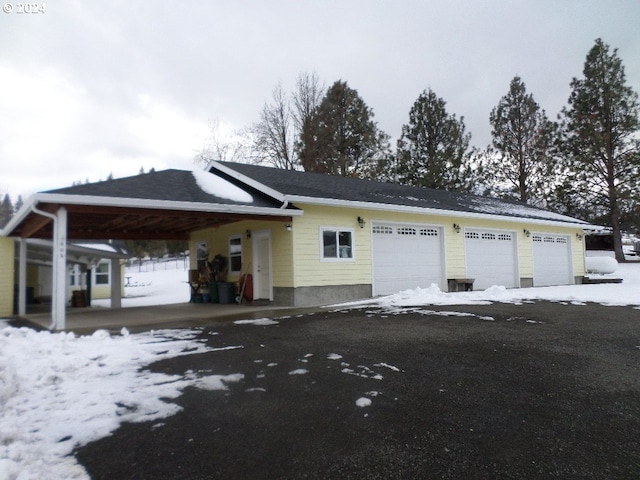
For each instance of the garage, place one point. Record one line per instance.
(551, 260)
(406, 256)
(491, 258)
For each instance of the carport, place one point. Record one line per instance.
(165, 205)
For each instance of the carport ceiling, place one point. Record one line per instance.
(88, 222)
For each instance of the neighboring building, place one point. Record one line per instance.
(311, 239)
(89, 271)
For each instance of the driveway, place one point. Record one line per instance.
(534, 391)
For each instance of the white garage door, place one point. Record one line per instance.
(406, 256)
(491, 258)
(551, 260)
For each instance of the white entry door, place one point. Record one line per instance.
(491, 258)
(551, 260)
(406, 256)
(262, 285)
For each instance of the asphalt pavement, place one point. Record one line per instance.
(535, 391)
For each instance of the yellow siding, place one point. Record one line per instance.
(297, 256)
(309, 269)
(7, 262)
(281, 241)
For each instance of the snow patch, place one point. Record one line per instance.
(363, 402)
(257, 321)
(219, 187)
(625, 293)
(59, 391)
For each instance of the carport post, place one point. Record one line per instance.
(22, 278)
(116, 283)
(59, 301)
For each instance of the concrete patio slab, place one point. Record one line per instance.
(136, 319)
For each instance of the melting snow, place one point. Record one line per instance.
(58, 391)
(219, 187)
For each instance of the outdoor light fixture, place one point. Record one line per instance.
(248, 233)
(456, 227)
(288, 227)
(527, 233)
(579, 236)
(361, 222)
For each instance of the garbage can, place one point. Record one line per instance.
(225, 292)
(213, 292)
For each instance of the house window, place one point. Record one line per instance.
(102, 273)
(235, 254)
(337, 244)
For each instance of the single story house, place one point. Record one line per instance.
(312, 239)
(357, 238)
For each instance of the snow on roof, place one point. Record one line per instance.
(215, 185)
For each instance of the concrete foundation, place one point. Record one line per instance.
(324, 295)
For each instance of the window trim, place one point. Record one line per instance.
(235, 237)
(338, 230)
(97, 274)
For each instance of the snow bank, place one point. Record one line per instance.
(214, 185)
(58, 391)
(625, 293)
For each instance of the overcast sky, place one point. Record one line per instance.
(90, 88)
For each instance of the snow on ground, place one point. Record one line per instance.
(625, 293)
(162, 284)
(58, 390)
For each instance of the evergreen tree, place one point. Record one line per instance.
(600, 139)
(522, 147)
(341, 138)
(433, 149)
(6, 210)
(18, 204)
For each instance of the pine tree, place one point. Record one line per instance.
(6, 210)
(433, 149)
(521, 157)
(600, 139)
(341, 137)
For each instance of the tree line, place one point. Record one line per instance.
(585, 164)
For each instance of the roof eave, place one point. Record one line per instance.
(431, 211)
(124, 202)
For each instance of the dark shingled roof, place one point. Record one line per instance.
(166, 185)
(322, 186)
